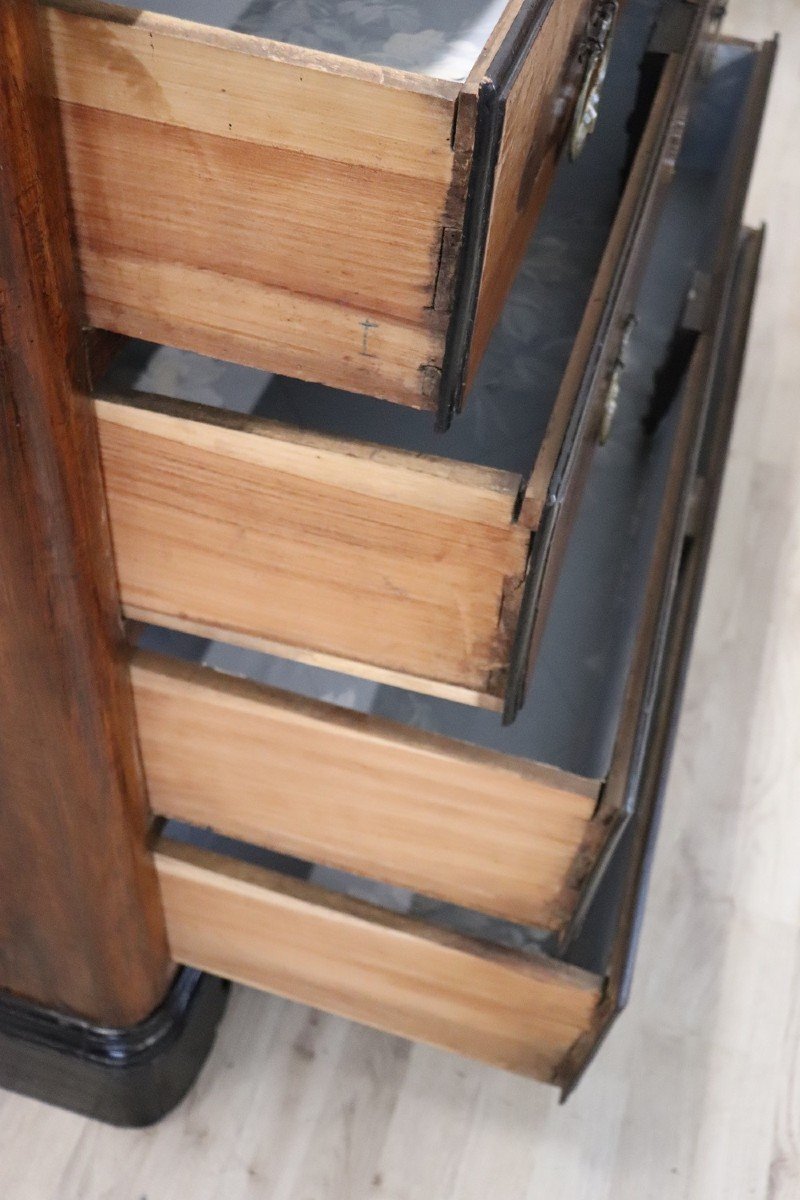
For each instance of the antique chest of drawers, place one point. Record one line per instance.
(396, 562)
(404, 699)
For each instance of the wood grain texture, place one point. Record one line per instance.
(247, 200)
(296, 1104)
(81, 927)
(475, 828)
(404, 565)
(352, 959)
(537, 109)
(292, 210)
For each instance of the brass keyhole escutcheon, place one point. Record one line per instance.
(595, 53)
(611, 400)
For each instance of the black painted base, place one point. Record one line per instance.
(130, 1077)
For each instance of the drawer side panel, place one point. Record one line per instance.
(356, 792)
(396, 974)
(220, 531)
(239, 204)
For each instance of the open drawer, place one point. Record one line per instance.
(543, 848)
(525, 1011)
(260, 197)
(431, 571)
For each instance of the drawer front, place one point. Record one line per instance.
(293, 211)
(525, 91)
(554, 490)
(624, 891)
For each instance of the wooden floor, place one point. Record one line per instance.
(697, 1093)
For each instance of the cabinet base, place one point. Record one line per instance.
(130, 1077)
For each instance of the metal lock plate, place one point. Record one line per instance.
(595, 54)
(611, 401)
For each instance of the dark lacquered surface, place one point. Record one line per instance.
(129, 1077)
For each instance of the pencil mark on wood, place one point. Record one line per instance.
(367, 326)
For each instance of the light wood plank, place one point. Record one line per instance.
(141, 64)
(217, 528)
(325, 662)
(472, 827)
(439, 485)
(237, 199)
(257, 325)
(300, 941)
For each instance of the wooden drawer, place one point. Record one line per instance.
(533, 1011)
(302, 212)
(528, 1013)
(389, 561)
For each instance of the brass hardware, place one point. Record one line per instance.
(716, 17)
(611, 400)
(595, 54)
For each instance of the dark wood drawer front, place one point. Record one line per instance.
(613, 922)
(667, 79)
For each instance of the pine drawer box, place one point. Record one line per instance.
(304, 212)
(390, 560)
(497, 994)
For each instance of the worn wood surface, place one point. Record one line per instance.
(696, 1094)
(80, 920)
(314, 233)
(397, 566)
(254, 926)
(377, 798)
(257, 202)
